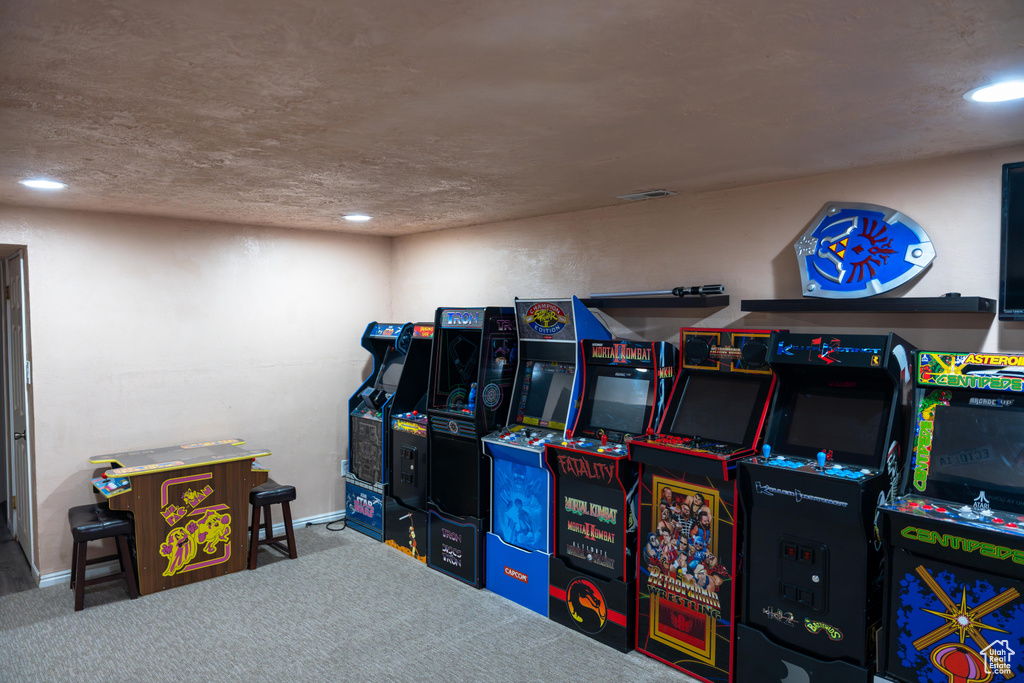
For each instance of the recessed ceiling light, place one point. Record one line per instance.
(43, 184)
(357, 217)
(997, 92)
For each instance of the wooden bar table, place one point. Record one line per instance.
(190, 505)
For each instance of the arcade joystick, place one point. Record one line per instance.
(821, 460)
(766, 450)
(604, 439)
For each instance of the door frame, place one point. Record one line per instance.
(26, 504)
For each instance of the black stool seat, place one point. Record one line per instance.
(93, 523)
(271, 493)
(261, 498)
(96, 521)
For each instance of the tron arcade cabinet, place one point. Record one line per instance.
(545, 399)
(405, 509)
(813, 566)
(593, 567)
(955, 541)
(471, 373)
(368, 435)
(687, 600)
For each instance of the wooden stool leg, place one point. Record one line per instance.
(127, 567)
(288, 531)
(254, 536)
(268, 526)
(79, 579)
(74, 564)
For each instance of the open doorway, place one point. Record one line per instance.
(16, 485)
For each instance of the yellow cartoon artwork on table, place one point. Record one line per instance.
(208, 532)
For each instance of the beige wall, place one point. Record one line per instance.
(149, 332)
(146, 332)
(740, 238)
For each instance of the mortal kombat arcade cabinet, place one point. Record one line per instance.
(545, 400)
(593, 568)
(813, 565)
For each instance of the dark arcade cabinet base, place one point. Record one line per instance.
(405, 529)
(456, 546)
(602, 609)
(759, 659)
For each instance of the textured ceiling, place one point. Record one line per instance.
(445, 113)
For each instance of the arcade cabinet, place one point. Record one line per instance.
(687, 601)
(955, 541)
(405, 507)
(471, 373)
(813, 565)
(545, 397)
(592, 573)
(368, 436)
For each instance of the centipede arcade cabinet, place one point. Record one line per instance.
(955, 541)
(405, 509)
(368, 435)
(545, 399)
(471, 375)
(593, 567)
(813, 566)
(689, 546)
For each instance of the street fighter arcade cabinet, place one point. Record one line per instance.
(545, 400)
(368, 433)
(405, 508)
(687, 600)
(471, 374)
(593, 567)
(955, 541)
(813, 564)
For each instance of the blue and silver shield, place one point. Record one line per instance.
(852, 251)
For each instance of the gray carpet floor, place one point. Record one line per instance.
(348, 609)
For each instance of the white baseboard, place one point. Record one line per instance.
(112, 567)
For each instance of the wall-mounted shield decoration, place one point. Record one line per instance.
(852, 251)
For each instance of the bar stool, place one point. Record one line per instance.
(263, 496)
(92, 523)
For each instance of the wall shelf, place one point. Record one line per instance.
(935, 304)
(713, 301)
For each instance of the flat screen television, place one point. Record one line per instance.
(617, 401)
(718, 407)
(978, 448)
(547, 391)
(1011, 264)
(848, 417)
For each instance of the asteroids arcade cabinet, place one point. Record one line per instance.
(955, 541)
(813, 564)
(689, 547)
(545, 400)
(405, 508)
(471, 374)
(368, 435)
(593, 567)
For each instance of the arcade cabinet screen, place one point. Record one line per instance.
(976, 448)
(719, 407)
(457, 361)
(619, 402)
(849, 422)
(547, 389)
(390, 371)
